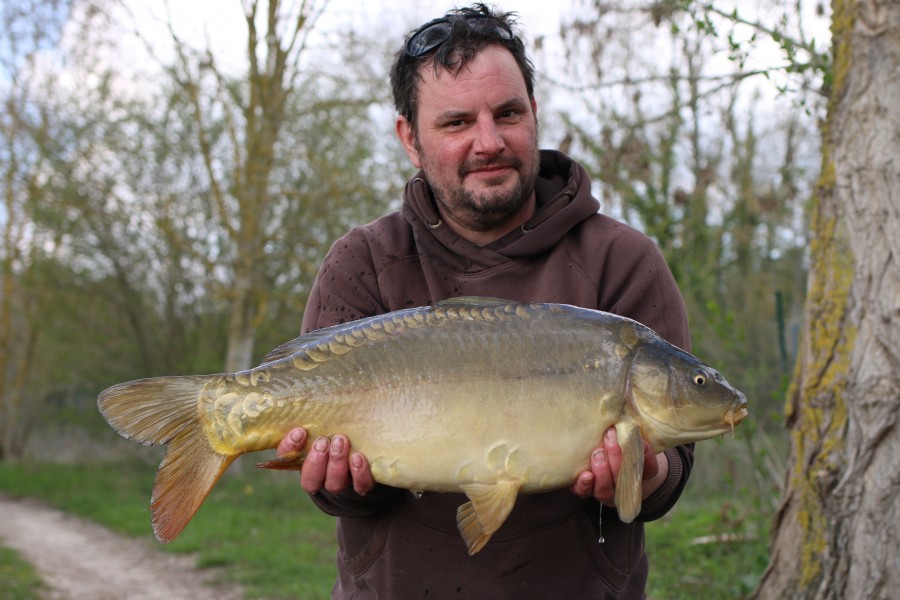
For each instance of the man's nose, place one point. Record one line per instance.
(488, 139)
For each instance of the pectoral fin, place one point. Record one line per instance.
(487, 509)
(628, 485)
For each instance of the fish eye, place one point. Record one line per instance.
(700, 377)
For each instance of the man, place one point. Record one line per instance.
(488, 215)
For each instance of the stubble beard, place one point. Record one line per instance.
(486, 210)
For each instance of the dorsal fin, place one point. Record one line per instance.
(295, 345)
(288, 348)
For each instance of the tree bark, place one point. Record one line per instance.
(835, 535)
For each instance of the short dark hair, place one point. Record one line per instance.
(461, 46)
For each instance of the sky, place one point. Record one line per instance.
(221, 21)
(219, 24)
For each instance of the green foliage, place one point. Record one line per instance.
(18, 579)
(144, 209)
(710, 549)
(806, 64)
(714, 174)
(715, 543)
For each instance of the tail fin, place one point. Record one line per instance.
(163, 411)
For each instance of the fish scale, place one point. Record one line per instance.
(476, 395)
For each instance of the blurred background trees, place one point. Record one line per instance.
(26, 29)
(166, 206)
(699, 126)
(170, 218)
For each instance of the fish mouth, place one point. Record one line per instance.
(736, 415)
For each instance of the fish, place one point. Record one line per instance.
(483, 396)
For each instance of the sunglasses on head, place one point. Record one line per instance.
(436, 32)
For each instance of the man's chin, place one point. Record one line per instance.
(493, 190)
(495, 210)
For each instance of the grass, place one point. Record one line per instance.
(715, 543)
(258, 528)
(704, 550)
(261, 531)
(18, 579)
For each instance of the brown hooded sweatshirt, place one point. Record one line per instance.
(395, 545)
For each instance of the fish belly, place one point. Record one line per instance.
(441, 436)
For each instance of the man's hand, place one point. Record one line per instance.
(329, 465)
(600, 480)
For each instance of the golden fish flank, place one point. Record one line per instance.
(480, 396)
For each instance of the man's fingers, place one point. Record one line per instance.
(337, 472)
(613, 453)
(294, 441)
(600, 480)
(312, 477)
(604, 483)
(329, 465)
(584, 485)
(361, 474)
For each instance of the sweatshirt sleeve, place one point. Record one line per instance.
(641, 287)
(681, 460)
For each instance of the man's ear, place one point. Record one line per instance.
(408, 139)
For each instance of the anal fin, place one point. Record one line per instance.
(291, 461)
(487, 509)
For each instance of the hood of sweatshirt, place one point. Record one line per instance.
(563, 201)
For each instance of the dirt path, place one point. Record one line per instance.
(78, 559)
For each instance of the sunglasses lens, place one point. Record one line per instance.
(437, 32)
(428, 38)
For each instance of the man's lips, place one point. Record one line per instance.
(490, 169)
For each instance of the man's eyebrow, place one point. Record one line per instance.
(452, 115)
(516, 103)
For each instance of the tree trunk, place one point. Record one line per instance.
(836, 532)
(264, 116)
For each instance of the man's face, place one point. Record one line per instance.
(476, 140)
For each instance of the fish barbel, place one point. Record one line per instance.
(475, 395)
